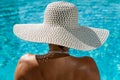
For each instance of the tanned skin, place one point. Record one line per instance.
(56, 67)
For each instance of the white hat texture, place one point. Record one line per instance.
(60, 26)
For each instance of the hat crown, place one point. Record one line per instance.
(61, 13)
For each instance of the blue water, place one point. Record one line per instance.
(93, 13)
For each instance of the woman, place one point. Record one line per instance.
(60, 29)
(57, 65)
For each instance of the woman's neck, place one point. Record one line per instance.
(57, 49)
(45, 58)
(59, 52)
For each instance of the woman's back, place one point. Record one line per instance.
(60, 68)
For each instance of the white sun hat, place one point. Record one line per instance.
(61, 27)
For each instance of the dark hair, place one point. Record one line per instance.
(60, 46)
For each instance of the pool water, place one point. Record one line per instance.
(93, 13)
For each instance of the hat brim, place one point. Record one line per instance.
(81, 38)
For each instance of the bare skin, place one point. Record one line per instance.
(56, 67)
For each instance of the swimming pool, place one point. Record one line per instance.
(94, 13)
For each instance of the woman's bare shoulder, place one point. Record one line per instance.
(87, 66)
(28, 59)
(85, 59)
(89, 62)
(26, 65)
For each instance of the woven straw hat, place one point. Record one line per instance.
(61, 27)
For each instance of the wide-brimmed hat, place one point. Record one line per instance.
(61, 27)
